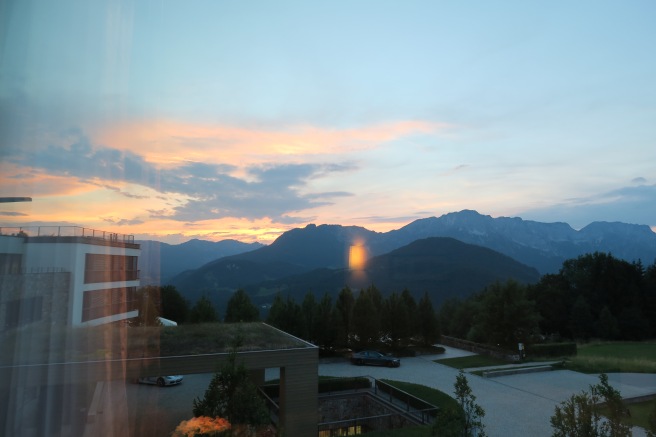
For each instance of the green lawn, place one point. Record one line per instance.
(430, 395)
(614, 357)
(472, 361)
(640, 413)
(427, 394)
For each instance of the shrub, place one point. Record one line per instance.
(580, 415)
(342, 384)
(325, 385)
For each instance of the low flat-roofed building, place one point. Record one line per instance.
(50, 376)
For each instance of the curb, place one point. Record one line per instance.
(506, 372)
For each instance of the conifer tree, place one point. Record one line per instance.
(241, 309)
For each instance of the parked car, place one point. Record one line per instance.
(374, 358)
(162, 381)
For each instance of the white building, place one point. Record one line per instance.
(66, 275)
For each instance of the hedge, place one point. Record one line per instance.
(325, 386)
(551, 350)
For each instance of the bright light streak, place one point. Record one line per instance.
(357, 257)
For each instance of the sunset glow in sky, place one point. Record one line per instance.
(212, 119)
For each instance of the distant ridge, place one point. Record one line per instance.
(159, 262)
(443, 267)
(542, 246)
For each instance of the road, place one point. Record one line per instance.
(156, 411)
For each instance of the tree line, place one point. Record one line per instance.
(362, 319)
(592, 296)
(168, 303)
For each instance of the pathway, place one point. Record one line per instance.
(515, 405)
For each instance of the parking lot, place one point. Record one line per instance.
(156, 411)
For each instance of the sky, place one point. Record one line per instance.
(173, 120)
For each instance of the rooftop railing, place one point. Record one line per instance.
(65, 231)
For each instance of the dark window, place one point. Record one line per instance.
(10, 263)
(23, 311)
(110, 268)
(108, 302)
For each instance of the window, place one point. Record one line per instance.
(346, 431)
(110, 268)
(102, 303)
(10, 263)
(23, 311)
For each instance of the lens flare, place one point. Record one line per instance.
(357, 257)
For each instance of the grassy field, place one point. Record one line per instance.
(430, 395)
(619, 357)
(471, 361)
(640, 413)
(614, 357)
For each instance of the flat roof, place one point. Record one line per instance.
(45, 345)
(73, 233)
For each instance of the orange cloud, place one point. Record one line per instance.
(247, 231)
(169, 143)
(21, 181)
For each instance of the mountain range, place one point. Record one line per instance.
(160, 262)
(315, 257)
(442, 267)
(541, 245)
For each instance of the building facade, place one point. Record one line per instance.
(66, 275)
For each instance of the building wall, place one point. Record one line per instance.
(9, 244)
(52, 288)
(68, 254)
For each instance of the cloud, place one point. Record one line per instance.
(274, 192)
(203, 190)
(384, 219)
(167, 143)
(633, 204)
(331, 194)
(13, 214)
(122, 222)
(117, 190)
(197, 172)
(16, 180)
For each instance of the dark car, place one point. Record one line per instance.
(374, 358)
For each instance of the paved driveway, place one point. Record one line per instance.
(516, 405)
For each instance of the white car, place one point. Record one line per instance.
(162, 381)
